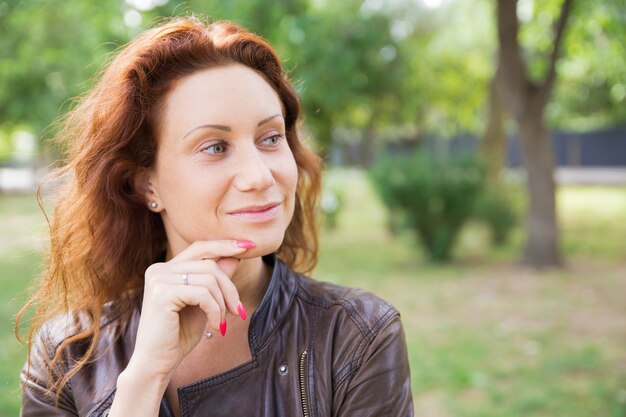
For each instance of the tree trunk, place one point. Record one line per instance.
(526, 102)
(493, 143)
(542, 233)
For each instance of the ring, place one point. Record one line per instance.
(208, 334)
(185, 278)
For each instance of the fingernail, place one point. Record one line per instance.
(241, 311)
(223, 327)
(245, 244)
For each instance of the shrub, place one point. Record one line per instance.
(496, 209)
(435, 195)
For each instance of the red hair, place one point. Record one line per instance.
(103, 238)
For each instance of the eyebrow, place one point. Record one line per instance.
(227, 128)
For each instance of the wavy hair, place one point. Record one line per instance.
(102, 237)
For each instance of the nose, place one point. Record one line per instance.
(253, 171)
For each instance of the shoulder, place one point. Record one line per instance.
(61, 343)
(368, 312)
(349, 327)
(79, 326)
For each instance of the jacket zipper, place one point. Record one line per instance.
(303, 396)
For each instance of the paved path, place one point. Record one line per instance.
(25, 180)
(591, 176)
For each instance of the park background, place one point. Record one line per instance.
(510, 114)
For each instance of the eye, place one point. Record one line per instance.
(273, 140)
(215, 148)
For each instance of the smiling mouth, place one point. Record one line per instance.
(257, 213)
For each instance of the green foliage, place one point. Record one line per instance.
(450, 68)
(496, 209)
(48, 52)
(591, 91)
(591, 88)
(435, 195)
(347, 68)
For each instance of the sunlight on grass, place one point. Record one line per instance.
(593, 221)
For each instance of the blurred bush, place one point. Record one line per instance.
(496, 209)
(434, 195)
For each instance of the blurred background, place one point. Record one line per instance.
(475, 176)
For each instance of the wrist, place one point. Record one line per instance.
(135, 375)
(138, 390)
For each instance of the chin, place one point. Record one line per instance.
(265, 245)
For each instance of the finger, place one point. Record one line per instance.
(225, 264)
(182, 296)
(207, 274)
(212, 249)
(217, 282)
(205, 266)
(210, 282)
(229, 292)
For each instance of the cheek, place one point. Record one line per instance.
(290, 175)
(175, 178)
(185, 188)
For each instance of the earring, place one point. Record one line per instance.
(153, 204)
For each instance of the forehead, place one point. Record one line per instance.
(229, 95)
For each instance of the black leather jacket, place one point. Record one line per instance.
(318, 350)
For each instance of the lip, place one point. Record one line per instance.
(263, 212)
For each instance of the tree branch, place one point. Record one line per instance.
(512, 68)
(559, 30)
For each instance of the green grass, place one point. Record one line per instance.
(21, 231)
(486, 336)
(592, 221)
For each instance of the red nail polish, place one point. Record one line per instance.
(247, 244)
(241, 311)
(223, 327)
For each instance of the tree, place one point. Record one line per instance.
(348, 64)
(48, 50)
(591, 92)
(493, 141)
(526, 101)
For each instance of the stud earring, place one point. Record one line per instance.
(153, 204)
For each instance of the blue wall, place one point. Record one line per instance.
(597, 148)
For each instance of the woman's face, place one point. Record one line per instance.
(224, 169)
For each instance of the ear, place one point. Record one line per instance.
(145, 185)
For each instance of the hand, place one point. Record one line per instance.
(175, 316)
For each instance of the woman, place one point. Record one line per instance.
(171, 286)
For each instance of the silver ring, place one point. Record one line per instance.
(208, 334)
(185, 278)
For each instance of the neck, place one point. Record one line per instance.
(251, 278)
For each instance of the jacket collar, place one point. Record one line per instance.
(274, 305)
